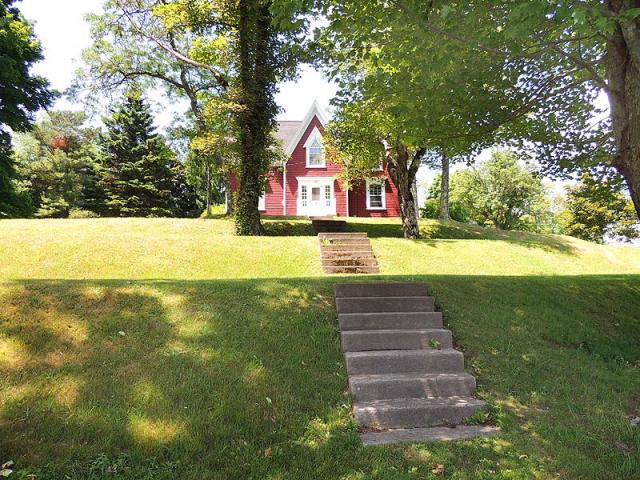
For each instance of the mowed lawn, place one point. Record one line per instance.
(166, 349)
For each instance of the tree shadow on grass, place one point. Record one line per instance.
(245, 379)
(288, 227)
(429, 230)
(452, 230)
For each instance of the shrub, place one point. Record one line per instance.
(80, 213)
(431, 209)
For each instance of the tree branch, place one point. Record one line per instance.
(587, 65)
(219, 76)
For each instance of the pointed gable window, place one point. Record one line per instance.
(315, 150)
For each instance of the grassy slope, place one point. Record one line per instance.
(230, 366)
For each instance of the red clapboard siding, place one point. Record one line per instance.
(358, 201)
(296, 167)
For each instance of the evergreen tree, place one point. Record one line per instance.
(137, 166)
(21, 93)
(57, 164)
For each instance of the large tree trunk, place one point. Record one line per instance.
(256, 117)
(623, 75)
(444, 189)
(403, 170)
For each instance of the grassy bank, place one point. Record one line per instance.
(172, 349)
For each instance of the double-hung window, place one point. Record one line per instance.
(375, 194)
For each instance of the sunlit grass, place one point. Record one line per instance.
(172, 349)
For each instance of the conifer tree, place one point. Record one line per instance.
(137, 165)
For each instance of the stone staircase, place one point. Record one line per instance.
(342, 252)
(328, 224)
(406, 380)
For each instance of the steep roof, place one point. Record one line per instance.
(287, 129)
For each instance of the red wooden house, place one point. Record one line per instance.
(307, 185)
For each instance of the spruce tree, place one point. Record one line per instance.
(137, 177)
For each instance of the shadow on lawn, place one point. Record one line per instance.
(452, 230)
(245, 378)
(430, 230)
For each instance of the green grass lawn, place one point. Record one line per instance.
(164, 349)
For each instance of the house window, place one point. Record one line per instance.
(303, 195)
(262, 202)
(315, 194)
(315, 150)
(327, 195)
(375, 195)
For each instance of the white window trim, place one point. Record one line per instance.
(384, 196)
(262, 202)
(315, 134)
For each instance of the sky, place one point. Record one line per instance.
(64, 34)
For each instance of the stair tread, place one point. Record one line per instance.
(375, 377)
(372, 290)
(417, 331)
(404, 353)
(382, 298)
(414, 403)
(382, 314)
(349, 266)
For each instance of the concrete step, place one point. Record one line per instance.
(428, 434)
(352, 269)
(416, 412)
(327, 220)
(395, 339)
(390, 320)
(411, 385)
(339, 235)
(344, 241)
(361, 261)
(328, 225)
(381, 289)
(346, 248)
(384, 304)
(347, 254)
(404, 361)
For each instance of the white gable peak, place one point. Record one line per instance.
(314, 111)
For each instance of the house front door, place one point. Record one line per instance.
(316, 197)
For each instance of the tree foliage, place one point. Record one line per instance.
(21, 94)
(565, 52)
(361, 138)
(597, 209)
(423, 94)
(501, 193)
